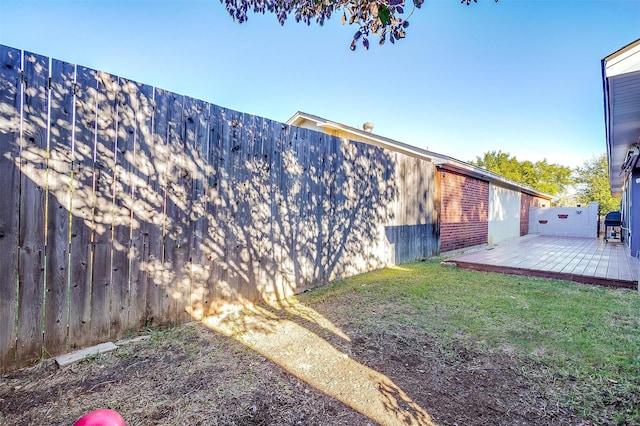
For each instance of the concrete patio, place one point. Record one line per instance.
(584, 260)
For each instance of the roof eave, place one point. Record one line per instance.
(440, 160)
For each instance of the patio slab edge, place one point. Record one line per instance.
(583, 279)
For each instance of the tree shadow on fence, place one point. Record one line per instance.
(129, 205)
(126, 206)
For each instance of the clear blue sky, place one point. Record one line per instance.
(521, 76)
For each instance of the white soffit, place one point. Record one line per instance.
(624, 61)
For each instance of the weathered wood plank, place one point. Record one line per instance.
(278, 230)
(124, 150)
(338, 200)
(309, 232)
(59, 206)
(264, 216)
(231, 145)
(134, 114)
(293, 201)
(158, 154)
(200, 266)
(104, 212)
(239, 195)
(214, 252)
(306, 237)
(145, 200)
(32, 207)
(317, 153)
(289, 188)
(260, 206)
(82, 206)
(228, 287)
(175, 239)
(195, 170)
(10, 99)
(324, 205)
(177, 209)
(246, 198)
(287, 216)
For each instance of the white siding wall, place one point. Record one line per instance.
(504, 214)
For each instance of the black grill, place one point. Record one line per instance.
(613, 220)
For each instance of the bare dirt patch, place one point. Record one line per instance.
(255, 372)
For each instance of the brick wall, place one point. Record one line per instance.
(526, 202)
(464, 211)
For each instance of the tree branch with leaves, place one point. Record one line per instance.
(385, 19)
(592, 184)
(544, 176)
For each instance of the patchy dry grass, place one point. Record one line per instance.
(580, 343)
(405, 345)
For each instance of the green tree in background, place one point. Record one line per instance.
(385, 19)
(592, 184)
(546, 177)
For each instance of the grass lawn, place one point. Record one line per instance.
(419, 344)
(580, 343)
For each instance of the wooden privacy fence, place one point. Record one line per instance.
(124, 205)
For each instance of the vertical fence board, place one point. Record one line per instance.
(286, 215)
(262, 207)
(365, 157)
(295, 177)
(245, 225)
(122, 204)
(258, 185)
(32, 206)
(223, 291)
(176, 236)
(310, 234)
(177, 204)
(264, 163)
(145, 200)
(286, 207)
(305, 237)
(277, 231)
(105, 164)
(198, 140)
(59, 204)
(392, 190)
(336, 201)
(127, 308)
(158, 153)
(10, 99)
(184, 193)
(317, 154)
(240, 146)
(192, 183)
(324, 207)
(212, 247)
(230, 145)
(82, 207)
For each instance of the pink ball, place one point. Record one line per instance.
(102, 417)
